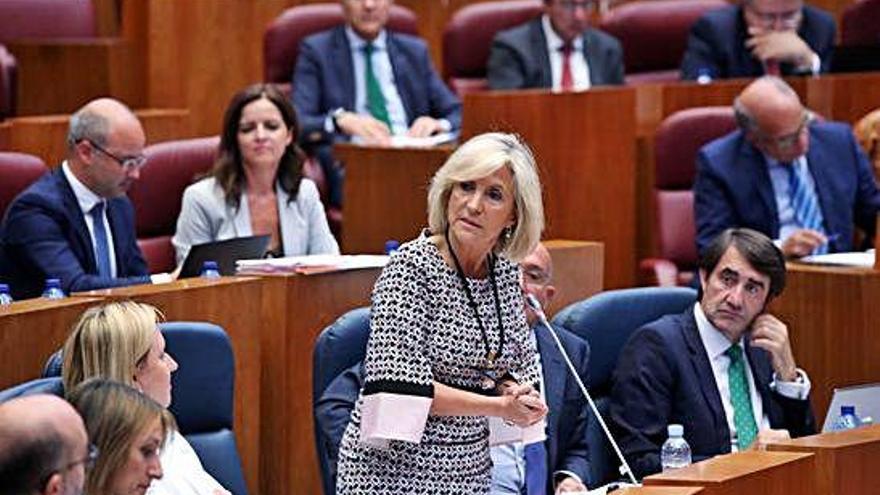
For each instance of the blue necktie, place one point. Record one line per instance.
(536, 468)
(102, 249)
(804, 202)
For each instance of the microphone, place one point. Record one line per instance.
(535, 306)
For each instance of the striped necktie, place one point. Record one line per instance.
(102, 247)
(375, 99)
(740, 398)
(804, 201)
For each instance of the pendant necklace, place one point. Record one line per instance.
(490, 379)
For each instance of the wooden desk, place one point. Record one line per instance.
(662, 490)
(831, 314)
(237, 305)
(386, 193)
(46, 136)
(846, 461)
(584, 144)
(753, 472)
(33, 329)
(577, 271)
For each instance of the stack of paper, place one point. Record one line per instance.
(318, 263)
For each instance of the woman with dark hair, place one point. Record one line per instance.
(256, 186)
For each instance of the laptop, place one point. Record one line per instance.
(865, 398)
(225, 253)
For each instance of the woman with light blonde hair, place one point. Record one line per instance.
(449, 345)
(121, 341)
(127, 430)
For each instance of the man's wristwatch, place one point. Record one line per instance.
(335, 115)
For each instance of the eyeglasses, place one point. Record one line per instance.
(785, 143)
(573, 5)
(129, 163)
(88, 462)
(788, 20)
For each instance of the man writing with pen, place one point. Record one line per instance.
(803, 182)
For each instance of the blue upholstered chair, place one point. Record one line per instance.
(606, 321)
(202, 389)
(339, 347)
(203, 396)
(50, 385)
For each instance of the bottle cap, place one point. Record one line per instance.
(391, 245)
(844, 410)
(209, 265)
(675, 430)
(53, 282)
(4, 288)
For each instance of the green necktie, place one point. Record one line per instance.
(375, 99)
(743, 416)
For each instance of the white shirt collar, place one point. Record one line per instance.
(554, 41)
(715, 343)
(85, 197)
(357, 43)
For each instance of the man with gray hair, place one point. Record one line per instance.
(44, 447)
(803, 183)
(75, 223)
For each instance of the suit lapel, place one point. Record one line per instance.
(593, 58)
(539, 47)
(752, 170)
(77, 221)
(344, 66)
(703, 370)
(554, 383)
(816, 158)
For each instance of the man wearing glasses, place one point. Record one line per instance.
(75, 223)
(558, 50)
(801, 182)
(43, 447)
(757, 37)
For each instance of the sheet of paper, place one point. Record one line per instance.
(857, 259)
(311, 263)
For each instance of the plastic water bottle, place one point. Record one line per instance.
(210, 270)
(53, 289)
(675, 452)
(391, 246)
(847, 419)
(5, 297)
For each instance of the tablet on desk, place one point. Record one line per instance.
(865, 398)
(225, 253)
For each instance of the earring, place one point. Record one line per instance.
(507, 233)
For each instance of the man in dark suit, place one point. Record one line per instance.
(341, 93)
(802, 183)
(774, 37)
(557, 50)
(723, 369)
(565, 449)
(75, 223)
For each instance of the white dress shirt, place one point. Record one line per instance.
(88, 200)
(580, 70)
(716, 344)
(780, 177)
(384, 75)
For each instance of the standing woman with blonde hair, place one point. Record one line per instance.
(127, 430)
(449, 345)
(121, 341)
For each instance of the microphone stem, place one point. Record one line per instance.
(628, 472)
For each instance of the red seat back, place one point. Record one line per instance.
(654, 34)
(860, 24)
(468, 36)
(677, 142)
(47, 19)
(284, 34)
(17, 172)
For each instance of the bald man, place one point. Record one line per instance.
(801, 182)
(76, 223)
(44, 447)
